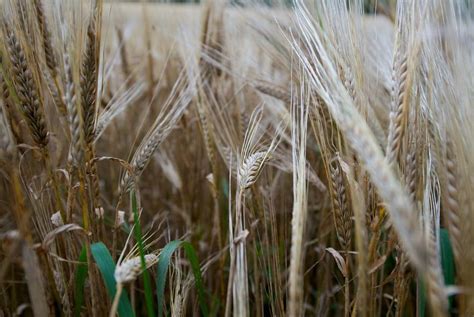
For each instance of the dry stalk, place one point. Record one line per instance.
(434, 279)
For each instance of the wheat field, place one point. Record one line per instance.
(237, 158)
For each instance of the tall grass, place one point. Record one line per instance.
(236, 160)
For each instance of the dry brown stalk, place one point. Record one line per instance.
(251, 168)
(434, 279)
(402, 282)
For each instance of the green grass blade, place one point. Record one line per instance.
(447, 260)
(421, 297)
(163, 264)
(194, 261)
(449, 272)
(137, 231)
(80, 279)
(107, 268)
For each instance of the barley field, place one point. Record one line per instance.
(311, 158)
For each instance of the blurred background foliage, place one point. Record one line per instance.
(385, 7)
(370, 6)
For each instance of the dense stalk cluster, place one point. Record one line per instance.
(303, 160)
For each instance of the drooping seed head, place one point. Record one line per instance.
(251, 168)
(129, 270)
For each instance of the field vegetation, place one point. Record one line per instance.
(236, 159)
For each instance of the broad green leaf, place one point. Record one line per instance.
(447, 263)
(80, 279)
(107, 268)
(163, 265)
(137, 231)
(421, 298)
(447, 260)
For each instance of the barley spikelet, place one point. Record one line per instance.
(6, 142)
(130, 269)
(452, 203)
(398, 109)
(30, 103)
(49, 54)
(6, 138)
(75, 123)
(89, 83)
(207, 131)
(342, 215)
(164, 123)
(141, 158)
(348, 79)
(8, 114)
(251, 168)
(274, 91)
(117, 106)
(411, 175)
(3, 84)
(56, 94)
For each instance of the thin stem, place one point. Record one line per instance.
(113, 309)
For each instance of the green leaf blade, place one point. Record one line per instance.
(79, 281)
(106, 266)
(163, 265)
(137, 231)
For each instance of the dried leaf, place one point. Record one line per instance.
(49, 238)
(34, 280)
(341, 263)
(377, 264)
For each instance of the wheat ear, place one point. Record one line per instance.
(128, 271)
(89, 83)
(30, 103)
(452, 203)
(50, 57)
(399, 109)
(75, 122)
(323, 78)
(342, 214)
(274, 91)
